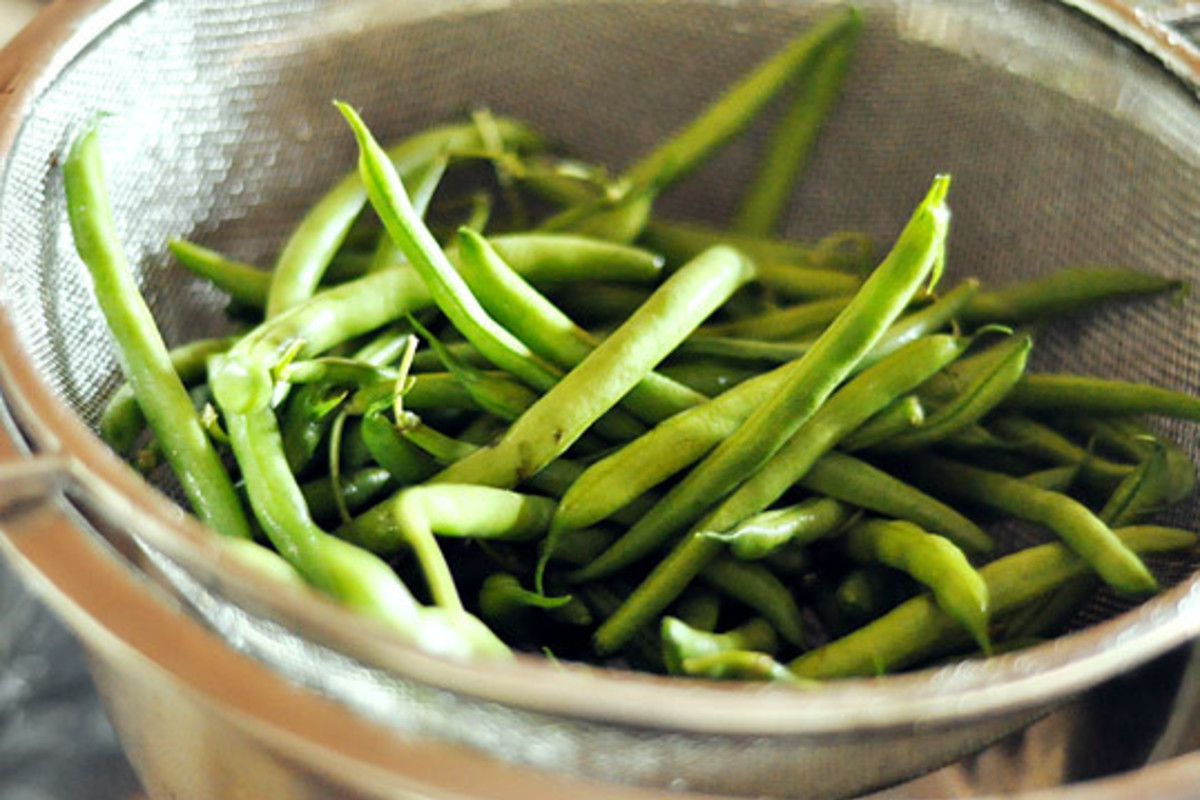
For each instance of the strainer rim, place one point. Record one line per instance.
(927, 698)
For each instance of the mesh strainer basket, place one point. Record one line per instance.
(1068, 144)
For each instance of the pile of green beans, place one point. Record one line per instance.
(560, 423)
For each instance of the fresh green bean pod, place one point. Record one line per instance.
(839, 252)
(244, 283)
(1063, 292)
(919, 629)
(763, 534)
(932, 560)
(757, 587)
(320, 234)
(865, 395)
(681, 641)
(562, 414)
(784, 323)
(865, 486)
(742, 665)
(1033, 438)
(737, 106)
(781, 164)
(699, 608)
(550, 333)
(357, 489)
(502, 601)
(144, 358)
(969, 405)
(122, 421)
(1077, 393)
(1077, 526)
(902, 416)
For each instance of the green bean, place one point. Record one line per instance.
(446, 286)
(681, 641)
(391, 450)
(1140, 495)
(901, 416)
(1035, 439)
(352, 575)
(710, 378)
(502, 600)
(459, 510)
(144, 358)
(599, 304)
(742, 665)
(918, 629)
(319, 235)
(1063, 292)
(1143, 493)
(1078, 527)
(496, 394)
(357, 489)
(680, 440)
(424, 180)
(619, 219)
(550, 333)
(244, 283)
(1077, 393)
(559, 257)
(932, 560)
(699, 608)
(763, 534)
(739, 104)
(757, 587)
(1054, 479)
(122, 421)
(328, 370)
(784, 323)
(865, 593)
(564, 412)
(839, 252)
(794, 137)
(1139, 443)
(845, 411)
(862, 485)
(975, 399)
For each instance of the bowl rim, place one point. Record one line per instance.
(1008, 684)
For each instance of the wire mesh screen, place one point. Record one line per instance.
(1066, 147)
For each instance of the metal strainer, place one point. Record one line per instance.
(1067, 145)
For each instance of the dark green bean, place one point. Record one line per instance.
(784, 323)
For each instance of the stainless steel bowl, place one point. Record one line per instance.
(1069, 142)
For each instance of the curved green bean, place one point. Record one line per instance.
(144, 358)
(763, 534)
(934, 561)
(313, 243)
